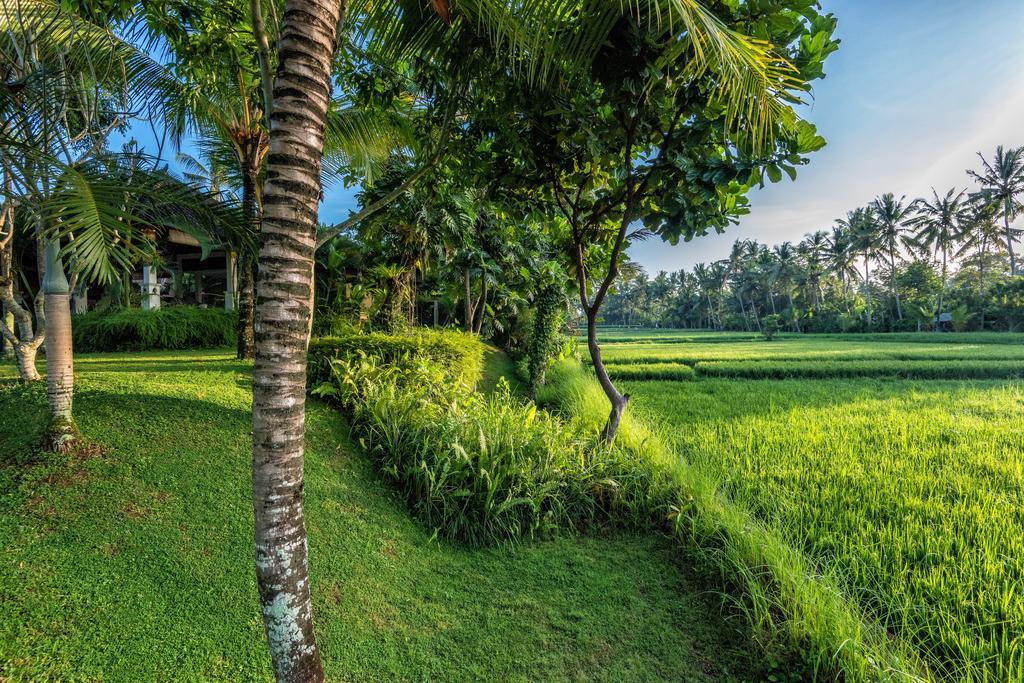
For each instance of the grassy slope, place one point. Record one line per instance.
(910, 491)
(134, 564)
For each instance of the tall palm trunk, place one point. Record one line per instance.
(60, 381)
(302, 92)
(246, 268)
(981, 278)
(867, 284)
(1009, 236)
(892, 284)
(942, 292)
(743, 312)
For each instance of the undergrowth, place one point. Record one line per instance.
(487, 470)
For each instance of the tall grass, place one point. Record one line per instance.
(781, 593)
(824, 369)
(909, 493)
(494, 469)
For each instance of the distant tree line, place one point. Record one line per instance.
(944, 262)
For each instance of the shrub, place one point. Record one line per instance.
(481, 470)
(458, 354)
(174, 327)
(771, 325)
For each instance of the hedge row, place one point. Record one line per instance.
(174, 327)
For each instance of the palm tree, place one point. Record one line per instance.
(68, 84)
(863, 235)
(1002, 181)
(814, 249)
(841, 258)
(785, 272)
(891, 217)
(982, 233)
(301, 96)
(939, 224)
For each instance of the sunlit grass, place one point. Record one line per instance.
(909, 494)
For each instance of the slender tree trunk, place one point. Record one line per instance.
(753, 311)
(302, 92)
(60, 381)
(246, 268)
(467, 326)
(743, 312)
(618, 401)
(942, 292)
(1009, 238)
(481, 306)
(867, 285)
(981, 279)
(892, 281)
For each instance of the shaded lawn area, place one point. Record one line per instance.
(134, 563)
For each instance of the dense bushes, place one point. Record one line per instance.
(459, 355)
(175, 327)
(478, 469)
(490, 469)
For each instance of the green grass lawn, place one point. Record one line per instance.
(132, 561)
(909, 492)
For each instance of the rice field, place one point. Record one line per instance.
(895, 464)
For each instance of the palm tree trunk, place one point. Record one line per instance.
(892, 284)
(867, 285)
(302, 92)
(981, 278)
(1009, 238)
(62, 434)
(942, 292)
(246, 268)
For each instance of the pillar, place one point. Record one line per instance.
(150, 289)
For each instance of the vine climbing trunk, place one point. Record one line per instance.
(284, 291)
(62, 434)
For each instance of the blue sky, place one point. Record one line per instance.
(917, 88)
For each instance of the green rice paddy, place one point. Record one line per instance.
(894, 467)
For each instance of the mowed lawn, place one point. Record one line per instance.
(909, 492)
(132, 561)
